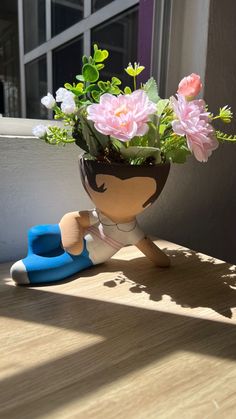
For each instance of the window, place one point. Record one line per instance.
(34, 23)
(65, 13)
(67, 62)
(119, 36)
(99, 4)
(36, 87)
(9, 60)
(53, 36)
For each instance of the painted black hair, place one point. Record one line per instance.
(89, 169)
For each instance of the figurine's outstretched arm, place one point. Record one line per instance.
(153, 252)
(72, 226)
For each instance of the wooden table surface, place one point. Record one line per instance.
(122, 340)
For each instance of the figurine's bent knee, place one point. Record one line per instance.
(44, 238)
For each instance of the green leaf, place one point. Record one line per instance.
(68, 86)
(117, 143)
(150, 88)
(90, 73)
(100, 66)
(127, 90)
(90, 88)
(161, 105)
(92, 144)
(115, 81)
(100, 55)
(141, 152)
(178, 155)
(79, 77)
(84, 59)
(96, 95)
(103, 86)
(162, 128)
(153, 136)
(115, 90)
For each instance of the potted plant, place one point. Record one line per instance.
(129, 136)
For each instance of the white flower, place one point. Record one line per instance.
(68, 105)
(48, 101)
(62, 94)
(39, 131)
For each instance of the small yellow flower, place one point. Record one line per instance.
(134, 70)
(226, 114)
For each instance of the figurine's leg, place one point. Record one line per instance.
(152, 251)
(47, 261)
(44, 240)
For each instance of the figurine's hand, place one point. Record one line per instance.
(153, 252)
(72, 232)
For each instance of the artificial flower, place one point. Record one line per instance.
(48, 101)
(63, 94)
(68, 105)
(39, 131)
(123, 116)
(194, 123)
(190, 86)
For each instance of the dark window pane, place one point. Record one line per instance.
(67, 62)
(9, 60)
(66, 13)
(98, 4)
(34, 23)
(119, 36)
(36, 87)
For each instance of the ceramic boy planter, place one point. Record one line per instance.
(130, 137)
(86, 238)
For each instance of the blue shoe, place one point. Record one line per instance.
(51, 263)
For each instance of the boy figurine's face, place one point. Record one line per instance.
(122, 199)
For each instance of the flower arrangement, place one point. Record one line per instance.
(132, 126)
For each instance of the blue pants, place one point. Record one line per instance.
(47, 261)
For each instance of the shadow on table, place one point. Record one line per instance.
(193, 280)
(132, 337)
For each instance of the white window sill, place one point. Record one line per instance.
(21, 127)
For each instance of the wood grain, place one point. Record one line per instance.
(125, 339)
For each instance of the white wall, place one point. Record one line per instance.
(198, 204)
(38, 184)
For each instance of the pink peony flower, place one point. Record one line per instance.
(123, 116)
(190, 86)
(193, 122)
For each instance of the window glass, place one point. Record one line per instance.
(9, 60)
(67, 62)
(66, 13)
(98, 4)
(36, 87)
(34, 23)
(120, 37)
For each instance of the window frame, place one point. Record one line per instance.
(171, 56)
(82, 27)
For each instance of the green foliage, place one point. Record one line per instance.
(221, 136)
(58, 136)
(77, 89)
(90, 73)
(150, 87)
(127, 90)
(140, 154)
(95, 141)
(161, 106)
(175, 149)
(159, 144)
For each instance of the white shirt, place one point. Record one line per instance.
(104, 237)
